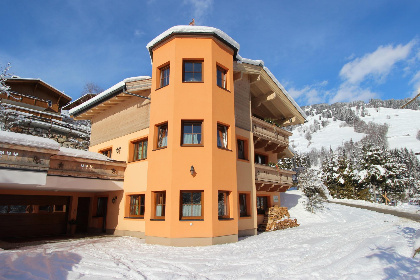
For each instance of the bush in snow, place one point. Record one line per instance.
(418, 135)
(313, 188)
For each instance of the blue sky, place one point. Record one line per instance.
(321, 51)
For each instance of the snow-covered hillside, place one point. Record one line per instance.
(403, 126)
(320, 131)
(339, 243)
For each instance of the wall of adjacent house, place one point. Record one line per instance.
(33, 88)
(122, 119)
(135, 182)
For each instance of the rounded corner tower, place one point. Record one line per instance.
(192, 139)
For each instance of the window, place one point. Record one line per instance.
(191, 133)
(243, 205)
(242, 146)
(19, 208)
(221, 77)
(193, 71)
(164, 76)
(106, 152)
(160, 198)
(45, 208)
(59, 208)
(260, 159)
(140, 150)
(191, 204)
(222, 136)
(136, 208)
(162, 140)
(262, 204)
(101, 206)
(223, 205)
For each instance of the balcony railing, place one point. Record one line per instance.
(269, 136)
(272, 179)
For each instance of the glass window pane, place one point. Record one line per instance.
(186, 210)
(140, 150)
(188, 77)
(19, 208)
(3, 209)
(197, 67)
(187, 139)
(197, 128)
(186, 198)
(197, 198)
(198, 139)
(188, 66)
(145, 149)
(188, 128)
(197, 77)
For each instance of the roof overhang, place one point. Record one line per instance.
(42, 83)
(269, 99)
(111, 97)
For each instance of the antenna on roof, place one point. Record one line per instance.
(402, 107)
(192, 22)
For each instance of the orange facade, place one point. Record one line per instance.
(197, 169)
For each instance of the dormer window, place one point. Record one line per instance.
(192, 71)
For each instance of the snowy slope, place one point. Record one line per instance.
(339, 243)
(403, 126)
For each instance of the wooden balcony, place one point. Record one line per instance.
(270, 137)
(25, 99)
(272, 179)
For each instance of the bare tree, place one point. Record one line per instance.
(91, 87)
(4, 75)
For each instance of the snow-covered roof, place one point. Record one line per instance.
(41, 81)
(82, 154)
(192, 29)
(78, 99)
(39, 142)
(105, 95)
(261, 64)
(28, 140)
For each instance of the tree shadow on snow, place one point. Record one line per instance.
(397, 266)
(31, 265)
(289, 200)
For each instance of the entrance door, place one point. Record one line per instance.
(82, 219)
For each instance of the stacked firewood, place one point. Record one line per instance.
(277, 218)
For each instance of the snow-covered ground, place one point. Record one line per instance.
(339, 243)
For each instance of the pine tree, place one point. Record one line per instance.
(313, 188)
